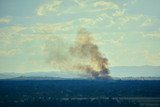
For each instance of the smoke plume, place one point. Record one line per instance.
(83, 56)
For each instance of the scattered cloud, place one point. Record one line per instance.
(18, 36)
(68, 11)
(112, 42)
(131, 2)
(98, 17)
(5, 20)
(7, 32)
(52, 28)
(104, 5)
(88, 21)
(155, 34)
(80, 3)
(147, 22)
(48, 7)
(119, 13)
(6, 53)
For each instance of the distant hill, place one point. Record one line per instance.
(59, 78)
(125, 72)
(29, 75)
(9, 75)
(136, 78)
(36, 78)
(135, 71)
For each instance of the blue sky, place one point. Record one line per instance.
(126, 31)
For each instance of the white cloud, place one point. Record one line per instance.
(5, 20)
(114, 42)
(49, 7)
(119, 13)
(88, 21)
(52, 28)
(155, 34)
(67, 11)
(117, 16)
(11, 52)
(121, 20)
(147, 22)
(103, 5)
(7, 32)
(81, 3)
(18, 36)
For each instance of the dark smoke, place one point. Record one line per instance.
(83, 56)
(85, 48)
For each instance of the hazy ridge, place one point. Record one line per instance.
(119, 72)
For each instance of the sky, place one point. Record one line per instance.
(127, 32)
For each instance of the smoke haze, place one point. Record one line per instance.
(83, 56)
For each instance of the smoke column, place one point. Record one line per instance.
(83, 56)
